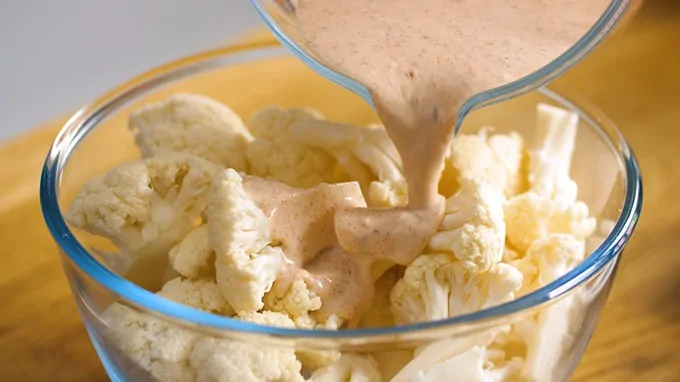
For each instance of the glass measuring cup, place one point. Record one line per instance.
(280, 18)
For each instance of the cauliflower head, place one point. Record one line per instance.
(549, 258)
(438, 286)
(297, 300)
(388, 193)
(475, 365)
(468, 292)
(223, 360)
(192, 124)
(246, 265)
(545, 334)
(478, 357)
(199, 294)
(550, 161)
(417, 297)
(276, 154)
(497, 159)
(349, 368)
(529, 217)
(147, 206)
(365, 153)
(160, 349)
(193, 257)
(473, 227)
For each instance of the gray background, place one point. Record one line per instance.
(58, 54)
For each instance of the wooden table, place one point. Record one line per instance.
(634, 77)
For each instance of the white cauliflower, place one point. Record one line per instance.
(464, 273)
(469, 292)
(199, 294)
(550, 161)
(145, 207)
(438, 286)
(349, 368)
(475, 365)
(477, 357)
(223, 360)
(545, 336)
(366, 153)
(276, 154)
(157, 347)
(473, 227)
(551, 205)
(388, 193)
(313, 359)
(246, 265)
(192, 124)
(297, 300)
(529, 217)
(193, 257)
(268, 318)
(549, 258)
(497, 159)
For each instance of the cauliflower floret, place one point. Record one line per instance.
(471, 292)
(157, 347)
(497, 160)
(475, 365)
(551, 205)
(276, 154)
(199, 294)
(388, 193)
(246, 265)
(147, 206)
(349, 368)
(437, 286)
(268, 318)
(297, 301)
(222, 360)
(473, 227)
(193, 257)
(366, 153)
(313, 359)
(478, 357)
(529, 217)
(550, 162)
(545, 336)
(549, 258)
(412, 299)
(192, 124)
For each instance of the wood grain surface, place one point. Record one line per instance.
(634, 77)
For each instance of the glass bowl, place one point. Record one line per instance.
(279, 16)
(248, 77)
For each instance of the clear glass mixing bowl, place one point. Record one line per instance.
(279, 16)
(251, 76)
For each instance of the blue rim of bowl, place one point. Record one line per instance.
(566, 60)
(85, 120)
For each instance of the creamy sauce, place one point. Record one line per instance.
(302, 224)
(420, 59)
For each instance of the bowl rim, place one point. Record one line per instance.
(87, 119)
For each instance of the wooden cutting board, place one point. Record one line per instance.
(634, 77)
